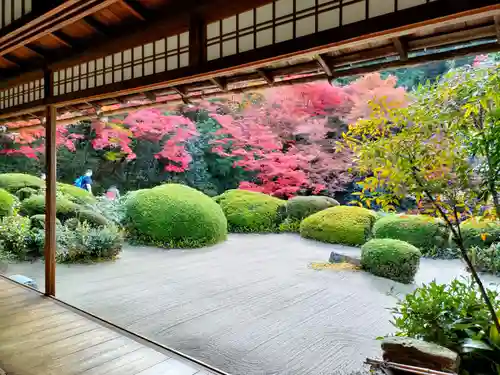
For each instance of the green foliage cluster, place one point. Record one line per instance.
(75, 194)
(85, 243)
(13, 233)
(424, 232)
(452, 315)
(38, 221)
(486, 259)
(341, 225)
(479, 232)
(35, 205)
(6, 203)
(174, 215)
(26, 192)
(93, 218)
(248, 211)
(12, 182)
(393, 259)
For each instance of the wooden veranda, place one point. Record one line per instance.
(73, 58)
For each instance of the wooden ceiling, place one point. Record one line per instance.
(66, 33)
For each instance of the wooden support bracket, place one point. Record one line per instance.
(323, 62)
(220, 82)
(401, 48)
(266, 76)
(497, 28)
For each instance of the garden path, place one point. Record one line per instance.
(249, 306)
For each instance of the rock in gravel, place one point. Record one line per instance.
(341, 258)
(413, 352)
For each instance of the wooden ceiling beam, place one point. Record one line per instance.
(150, 95)
(401, 48)
(62, 38)
(135, 8)
(36, 50)
(96, 26)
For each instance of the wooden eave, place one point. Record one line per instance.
(405, 38)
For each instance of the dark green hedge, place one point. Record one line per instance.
(35, 205)
(174, 215)
(341, 225)
(423, 232)
(248, 211)
(393, 259)
(298, 208)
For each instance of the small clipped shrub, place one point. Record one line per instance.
(26, 193)
(95, 219)
(486, 259)
(72, 223)
(340, 225)
(423, 232)
(75, 194)
(299, 208)
(480, 232)
(393, 259)
(174, 215)
(13, 233)
(249, 211)
(12, 182)
(292, 226)
(6, 203)
(87, 244)
(35, 205)
(38, 221)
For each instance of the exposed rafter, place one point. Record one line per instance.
(323, 62)
(401, 48)
(135, 8)
(266, 76)
(94, 25)
(220, 82)
(62, 38)
(182, 92)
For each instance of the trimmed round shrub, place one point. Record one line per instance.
(95, 219)
(35, 205)
(26, 193)
(38, 221)
(174, 215)
(424, 232)
(480, 232)
(6, 203)
(299, 208)
(393, 259)
(12, 182)
(249, 211)
(76, 194)
(340, 225)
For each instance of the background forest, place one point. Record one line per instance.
(279, 141)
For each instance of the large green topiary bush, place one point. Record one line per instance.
(174, 215)
(6, 203)
(12, 182)
(393, 259)
(248, 211)
(76, 194)
(298, 208)
(35, 205)
(342, 225)
(480, 232)
(421, 231)
(26, 192)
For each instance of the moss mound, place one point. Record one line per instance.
(35, 205)
(175, 215)
(421, 231)
(95, 219)
(75, 194)
(6, 203)
(27, 192)
(342, 225)
(298, 208)
(480, 232)
(12, 182)
(38, 221)
(393, 259)
(248, 211)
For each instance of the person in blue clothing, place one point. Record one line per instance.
(85, 182)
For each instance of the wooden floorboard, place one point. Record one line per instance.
(249, 306)
(40, 336)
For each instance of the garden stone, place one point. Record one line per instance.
(341, 258)
(25, 281)
(413, 352)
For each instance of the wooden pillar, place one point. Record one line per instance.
(197, 41)
(50, 191)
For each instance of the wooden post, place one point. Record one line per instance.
(50, 191)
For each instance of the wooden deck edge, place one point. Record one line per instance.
(112, 326)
